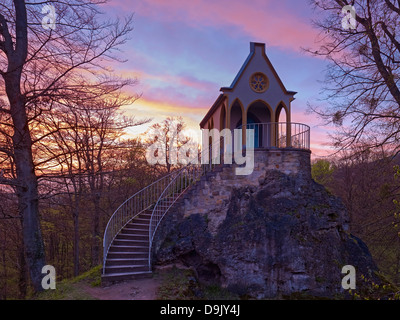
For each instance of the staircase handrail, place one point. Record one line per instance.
(156, 193)
(167, 199)
(190, 176)
(132, 207)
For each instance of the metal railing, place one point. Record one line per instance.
(163, 193)
(186, 177)
(132, 207)
(280, 135)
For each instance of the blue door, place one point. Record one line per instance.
(252, 124)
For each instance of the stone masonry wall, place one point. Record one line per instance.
(272, 234)
(214, 191)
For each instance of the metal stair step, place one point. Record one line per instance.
(142, 237)
(127, 255)
(142, 217)
(115, 277)
(139, 226)
(145, 216)
(135, 222)
(130, 242)
(140, 220)
(117, 248)
(135, 231)
(124, 262)
(126, 269)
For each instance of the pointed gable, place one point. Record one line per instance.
(257, 48)
(257, 80)
(258, 62)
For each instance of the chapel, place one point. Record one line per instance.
(257, 99)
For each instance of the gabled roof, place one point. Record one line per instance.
(210, 112)
(222, 96)
(247, 62)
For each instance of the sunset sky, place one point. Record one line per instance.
(182, 52)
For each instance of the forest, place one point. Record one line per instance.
(96, 173)
(67, 162)
(368, 184)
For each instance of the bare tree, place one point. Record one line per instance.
(41, 66)
(362, 83)
(164, 140)
(84, 149)
(364, 180)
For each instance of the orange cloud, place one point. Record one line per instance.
(167, 94)
(159, 110)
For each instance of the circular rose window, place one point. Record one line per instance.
(259, 82)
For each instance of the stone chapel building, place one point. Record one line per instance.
(255, 100)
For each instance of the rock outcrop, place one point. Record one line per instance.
(278, 237)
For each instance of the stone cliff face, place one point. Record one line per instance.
(273, 235)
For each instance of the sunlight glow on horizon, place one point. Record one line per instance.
(182, 54)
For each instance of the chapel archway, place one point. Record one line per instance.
(259, 116)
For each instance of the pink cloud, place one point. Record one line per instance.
(173, 89)
(261, 20)
(166, 93)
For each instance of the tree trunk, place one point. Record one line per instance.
(22, 279)
(76, 239)
(27, 189)
(28, 201)
(3, 295)
(96, 231)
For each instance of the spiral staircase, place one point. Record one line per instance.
(130, 231)
(129, 234)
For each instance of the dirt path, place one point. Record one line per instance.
(140, 289)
